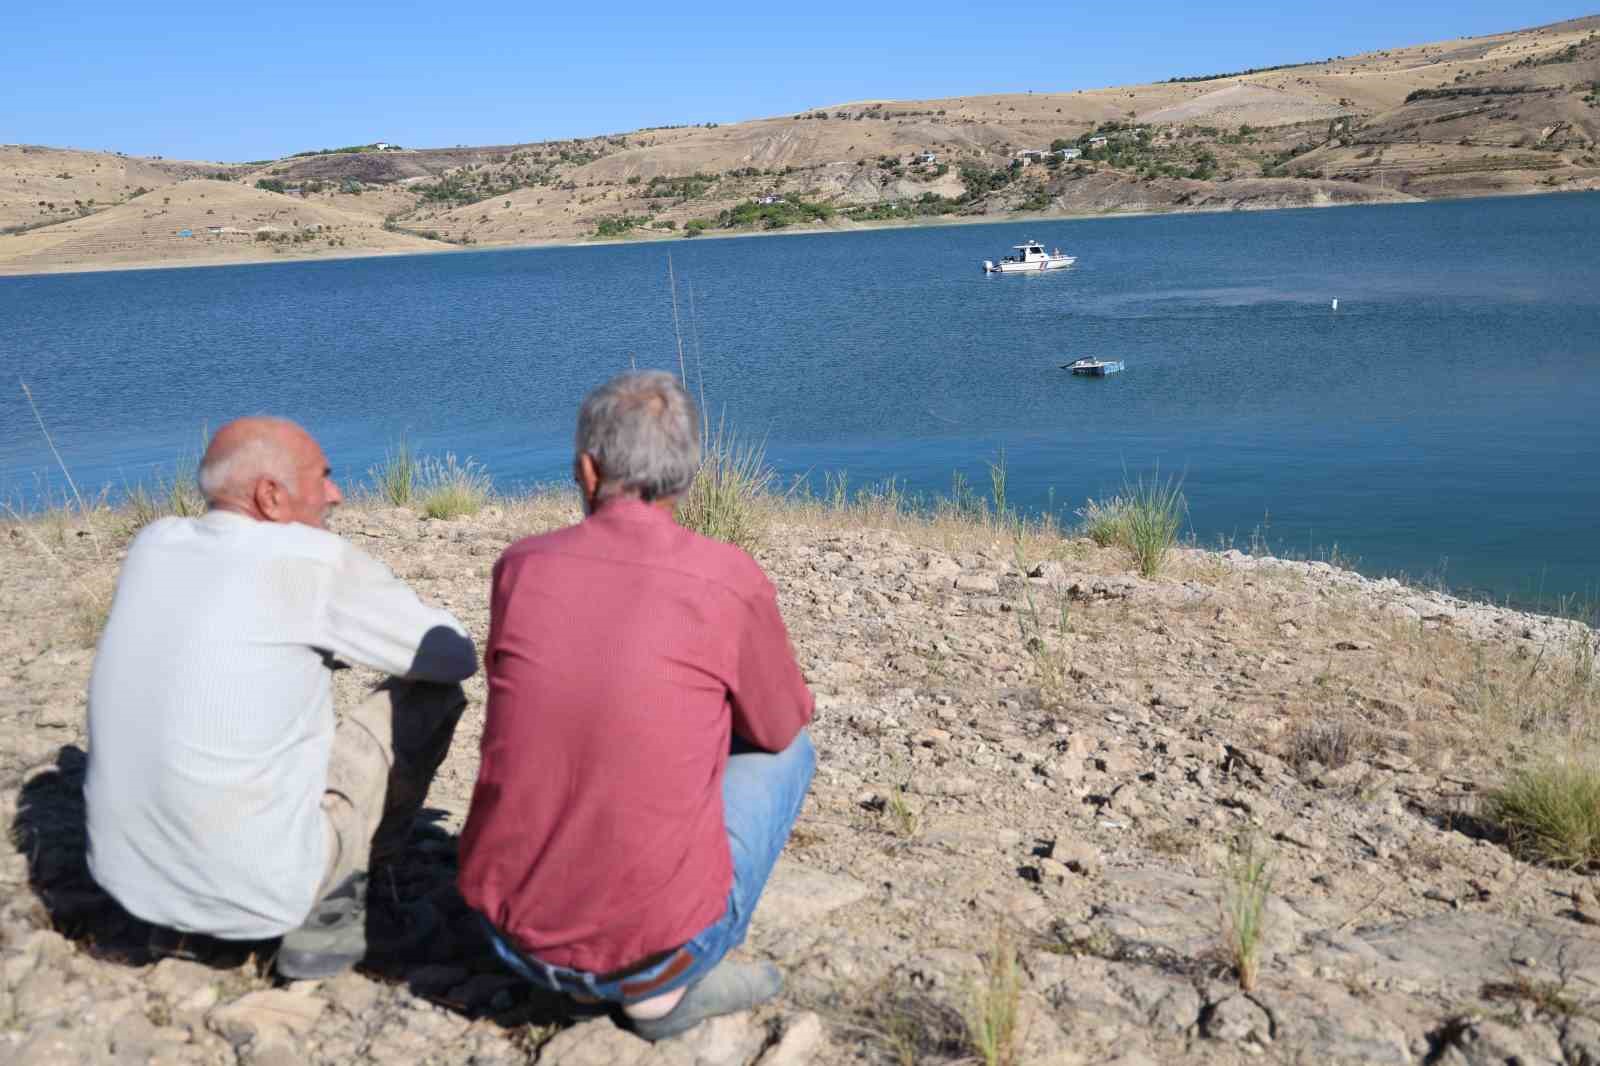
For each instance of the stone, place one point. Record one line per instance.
(1236, 1019)
(599, 1042)
(351, 993)
(179, 979)
(797, 896)
(252, 1014)
(1077, 855)
(731, 1040)
(977, 583)
(801, 1043)
(1493, 1043)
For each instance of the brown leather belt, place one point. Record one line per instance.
(680, 960)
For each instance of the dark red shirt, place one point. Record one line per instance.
(622, 652)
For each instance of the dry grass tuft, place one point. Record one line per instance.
(448, 489)
(1247, 884)
(1550, 812)
(1144, 520)
(994, 1004)
(900, 1025)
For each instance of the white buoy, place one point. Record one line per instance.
(1336, 303)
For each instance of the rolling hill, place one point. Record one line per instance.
(1516, 112)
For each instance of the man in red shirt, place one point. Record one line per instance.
(644, 755)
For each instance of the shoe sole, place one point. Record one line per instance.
(311, 966)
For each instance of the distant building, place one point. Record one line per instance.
(1069, 153)
(1097, 142)
(927, 158)
(1031, 155)
(769, 198)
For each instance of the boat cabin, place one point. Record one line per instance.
(1029, 252)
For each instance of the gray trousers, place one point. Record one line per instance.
(386, 751)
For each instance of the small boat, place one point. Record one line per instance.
(1098, 368)
(1031, 258)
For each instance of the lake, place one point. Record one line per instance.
(1441, 424)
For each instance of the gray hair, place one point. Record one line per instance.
(642, 430)
(235, 470)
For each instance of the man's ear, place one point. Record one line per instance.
(271, 500)
(588, 473)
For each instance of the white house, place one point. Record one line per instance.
(1097, 142)
(769, 198)
(1031, 155)
(927, 158)
(1069, 153)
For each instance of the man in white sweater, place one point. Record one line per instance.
(224, 796)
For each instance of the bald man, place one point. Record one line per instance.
(225, 797)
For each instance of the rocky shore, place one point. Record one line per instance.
(1037, 776)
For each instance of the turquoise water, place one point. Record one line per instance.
(1441, 423)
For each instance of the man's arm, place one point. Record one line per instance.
(771, 703)
(373, 619)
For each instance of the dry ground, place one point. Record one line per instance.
(1027, 753)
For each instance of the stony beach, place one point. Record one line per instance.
(1042, 780)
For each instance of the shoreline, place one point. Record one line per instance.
(1020, 217)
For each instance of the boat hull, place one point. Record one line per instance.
(1029, 268)
(1097, 370)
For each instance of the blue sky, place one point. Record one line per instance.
(226, 81)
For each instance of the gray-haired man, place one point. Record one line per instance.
(644, 753)
(223, 799)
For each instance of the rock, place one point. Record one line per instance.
(977, 583)
(1235, 1019)
(597, 1043)
(1493, 1043)
(179, 979)
(731, 1040)
(351, 993)
(1051, 571)
(256, 1012)
(952, 785)
(800, 1045)
(1172, 699)
(1077, 855)
(40, 994)
(58, 1047)
(796, 896)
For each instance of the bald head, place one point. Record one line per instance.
(268, 469)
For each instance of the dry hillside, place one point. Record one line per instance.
(1506, 113)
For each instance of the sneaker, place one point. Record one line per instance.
(333, 937)
(729, 988)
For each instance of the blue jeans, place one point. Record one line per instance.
(761, 798)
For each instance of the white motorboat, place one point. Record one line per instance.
(1031, 258)
(1097, 368)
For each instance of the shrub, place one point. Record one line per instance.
(448, 489)
(395, 479)
(617, 225)
(1104, 521)
(270, 184)
(1551, 813)
(1145, 520)
(724, 501)
(1155, 513)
